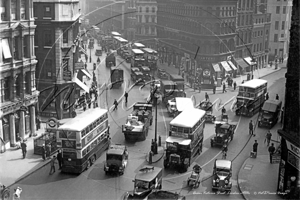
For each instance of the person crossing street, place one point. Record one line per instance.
(224, 88)
(268, 137)
(126, 97)
(251, 128)
(234, 85)
(116, 105)
(271, 150)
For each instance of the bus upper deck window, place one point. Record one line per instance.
(186, 130)
(174, 128)
(180, 130)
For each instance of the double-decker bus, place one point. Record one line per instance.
(114, 33)
(120, 44)
(251, 97)
(151, 57)
(185, 138)
(83, 139)
(138, 45)
(137, 58)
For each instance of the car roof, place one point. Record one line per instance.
(225, 126)
(138, 73)
(168, 82)
(271, 105)
(135, 69)
(116, 149)
(148, 175)
(145, 67)
(223, 164)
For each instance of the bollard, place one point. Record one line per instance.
(150, 157)
(159, 141)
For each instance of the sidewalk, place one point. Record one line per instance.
(258, 178)
(14, 168)
(260, 73)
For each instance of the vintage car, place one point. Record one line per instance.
(171, 107)
(269, 113)
(222, 173)
(146, 180)
(146, 72)
(98, 52)
(137, 76)
(224, 133)
(116, 159)
(207, 106)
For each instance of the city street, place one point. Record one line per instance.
(94, 184)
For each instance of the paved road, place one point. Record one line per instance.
(94, 184)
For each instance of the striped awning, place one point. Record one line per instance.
(225, 66)
(242, 63)
(216, 67)
(249, 61)
(232, 65)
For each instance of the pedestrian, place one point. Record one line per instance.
(234, 85)
(48, 151)
(126, 97)
(116, 105)
(271, 150)
(268, 137)
(243, 81)
(44, 152)
(214, 89)
(224, 151)
(267, 96)
(206, 96)
(52, 164)
(251, 128)
(277, 97)
(24, 149)
(38, 123)
(224, 88)
(59, 159)
(255, 146)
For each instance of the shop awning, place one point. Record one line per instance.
(242, 63)
(248, 60)
(216, 67)
(5, 49)
(225, 66)
(80, 83)
(232, 65)
(86, 73)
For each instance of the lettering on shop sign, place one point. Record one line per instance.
(206, 58)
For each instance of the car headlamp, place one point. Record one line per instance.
(226, 181)
(217, 180)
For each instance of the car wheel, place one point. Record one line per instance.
(88, 165)
(6, 195)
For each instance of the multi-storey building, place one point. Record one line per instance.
(146, 16)
(200, 34)
(260, 33)
(289, 170)
(57, 28)
(17, 67)
(244, 26)
(280, 26)
(130, 20)
(108, 15)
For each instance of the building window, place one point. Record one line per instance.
(147, 9)
(146, 18)
(277, 9)
(140, 18)
(28, 81)
(26, 46)
(16, 50)
(3, 10)
(13, 9)
(153, 9)
(36, 43)
(5, 89)
(48, 68)
(23, 9)
(267, 32)
(6, 53)
(153, 30)
(47, 11)
(283, 25)
(153, 19)
(282, 35)
(35, 7)
(65, 36)
(141, 9)
(32, 81)
(275, 52)
(276, 25)
(284, 10)
(47, 38)
(275, 37)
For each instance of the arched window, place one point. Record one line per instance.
(147, 9)
(217, 29)
(153, 9)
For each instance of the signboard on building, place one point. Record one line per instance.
(67, 75)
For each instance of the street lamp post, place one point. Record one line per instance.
(90, 54)
(253, 63)
(154, 96)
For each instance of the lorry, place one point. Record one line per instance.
(222, 173)
(117, 77)
(116, 159)
(170, 90)
(269, 113)
(179, 80)
(224, 133)
(110, 60)
(147, 179)
(138, 122)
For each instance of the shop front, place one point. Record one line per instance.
(289, 171)
(233, 67)
(243, 67)
(251, 63)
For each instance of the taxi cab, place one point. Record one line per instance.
(222, 173)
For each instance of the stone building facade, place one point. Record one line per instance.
(18, 95)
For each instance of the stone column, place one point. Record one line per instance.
(32, 120)
(22, 85)
(22, 125)
(1, 129)
(12, 130)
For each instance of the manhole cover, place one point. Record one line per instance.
(248, 167)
